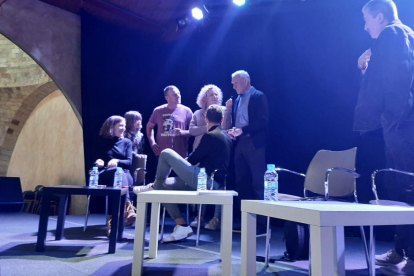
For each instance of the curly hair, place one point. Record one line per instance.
(107, 129)
(202, 96)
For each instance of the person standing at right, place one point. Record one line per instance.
(250, 123)
(386, 101)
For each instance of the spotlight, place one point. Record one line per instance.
(239, 2)
(197, 13)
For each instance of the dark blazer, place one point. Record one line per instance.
(385, 97)
(258, 117)
(213, 152)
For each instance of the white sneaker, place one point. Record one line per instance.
(141, 189)
(404, 268)
(213, 225)
(179, 233)
(389, 258)
(194, 223)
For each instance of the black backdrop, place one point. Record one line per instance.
(302, 54)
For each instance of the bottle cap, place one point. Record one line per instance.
(95, 168)
(119, 169)
(202, 169)
(270, 167)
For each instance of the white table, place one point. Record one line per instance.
(327, 220)
(224, 198)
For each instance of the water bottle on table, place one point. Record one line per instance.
(202, 180)
(271, 184)
(119, 175)
(94, 177)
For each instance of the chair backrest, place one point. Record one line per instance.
(340, 183)
(138, 177)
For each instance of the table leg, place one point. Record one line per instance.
(43, 220)
(121, 218)
(324, 251)
(114, 224)
(340, 250)
(63, 206)
(154, 229)
(248, 241)
(139, 242)
(226, 239)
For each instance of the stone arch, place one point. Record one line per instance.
(18, 121)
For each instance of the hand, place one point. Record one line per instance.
(237, 132)
(113, 163)
(141, 156)
(230, 132)
(229, 104)
(177, 131)
(364, 59)
(155, 148)
(99, 163)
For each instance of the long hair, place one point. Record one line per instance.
(107, 129)
(130, 119)
(202, 96)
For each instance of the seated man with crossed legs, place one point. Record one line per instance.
(213, 153)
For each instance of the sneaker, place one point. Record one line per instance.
(179, 233)
(194, 223)
(145, 188)
(389, 258)
(213, 225)
(406, 267)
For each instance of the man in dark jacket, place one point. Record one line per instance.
(250, 122)
(386, 101)
(213, 153)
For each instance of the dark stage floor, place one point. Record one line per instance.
(86, 253)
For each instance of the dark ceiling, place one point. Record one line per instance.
(153, 17)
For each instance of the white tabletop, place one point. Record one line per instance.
(189, 197)
(331, 213)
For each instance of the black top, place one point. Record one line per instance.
(213, 152)
(116, 148)
(385, 97)
(258, 110)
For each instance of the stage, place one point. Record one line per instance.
(86, 253)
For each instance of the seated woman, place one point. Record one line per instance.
(209, 95)
(133, 132)
(115, 151)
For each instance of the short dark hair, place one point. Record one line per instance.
(386, 7)
(214, 114)
(166, 89)
(107, 129)
(130, 118)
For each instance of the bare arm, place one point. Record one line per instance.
(150, 134)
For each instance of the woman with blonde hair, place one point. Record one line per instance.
(209, 94)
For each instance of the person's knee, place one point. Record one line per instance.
(166, 152)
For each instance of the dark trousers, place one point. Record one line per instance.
(249, 167)
(399, 154)
(106, 177)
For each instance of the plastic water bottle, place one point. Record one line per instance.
(271, 184)
(119, 175)
(202, 180)
(94, 177)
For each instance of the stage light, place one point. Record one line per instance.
(197, 13)
(239, 2)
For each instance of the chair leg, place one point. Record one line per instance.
(162, 224)
(367, 255)
(188, 214)
(310, 258)
(87, 213)
(198, 223)
(268, 236)
(106, 210)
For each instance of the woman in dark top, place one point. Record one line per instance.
(133, 132)
(115, 151)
